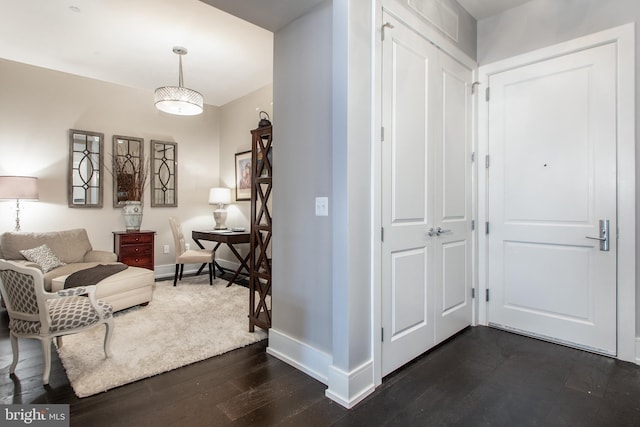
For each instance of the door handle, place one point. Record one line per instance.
(604, 235)
(441, 230)
(431, 232)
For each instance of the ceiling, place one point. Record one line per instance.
(130, 42)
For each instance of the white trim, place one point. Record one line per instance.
(637, 361)
(301, 356)
(624, 38)
(349, 389)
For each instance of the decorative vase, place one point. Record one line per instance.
(132, 212)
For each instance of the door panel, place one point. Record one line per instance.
(407, 177)
(453, 198)
(552, 137)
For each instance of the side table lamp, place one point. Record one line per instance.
(18, 188)
(220, 196)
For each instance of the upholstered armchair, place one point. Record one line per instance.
(36, 313)
(191, 256)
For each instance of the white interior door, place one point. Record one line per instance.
(453, 246)
(552, 178)
(425, 185)
(407, 212)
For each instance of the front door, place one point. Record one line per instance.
(552, 188)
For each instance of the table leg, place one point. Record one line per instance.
(243, 264)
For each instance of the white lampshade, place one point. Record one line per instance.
(219, 196)
(19, 187)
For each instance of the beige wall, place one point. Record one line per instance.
(38, 108)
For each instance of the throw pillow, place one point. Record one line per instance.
(43, 256)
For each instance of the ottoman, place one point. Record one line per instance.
(124, 289)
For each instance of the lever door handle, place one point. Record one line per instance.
(441, 230)
(604, 235)
(431, 232)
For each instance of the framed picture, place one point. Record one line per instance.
(243, 175)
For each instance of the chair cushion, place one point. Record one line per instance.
(43, 256)
(74, 312)
(193, 256)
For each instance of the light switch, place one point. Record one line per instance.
(322, 206)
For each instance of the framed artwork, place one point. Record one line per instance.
(243, 175)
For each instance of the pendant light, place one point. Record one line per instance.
(179, 99)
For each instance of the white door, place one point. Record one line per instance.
(452, 152)
(425, 185)
(552, 178)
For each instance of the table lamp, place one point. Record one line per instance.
(220, 196)
(19, 188)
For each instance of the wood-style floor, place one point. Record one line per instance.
(480, 377)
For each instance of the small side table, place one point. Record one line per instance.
(135, 248)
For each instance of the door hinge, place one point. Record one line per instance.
(486, 297)
(487, 161)
(381, 334)
(473, 157)
(382, 133)
(382, 233)
(385, 25)
(486, 227)
(473, 224)
(473, 292)
(487, 94)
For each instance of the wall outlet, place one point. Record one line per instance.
(165, 249)
(322, 206)
(187, 246)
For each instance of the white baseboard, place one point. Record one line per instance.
(637, 360)
(347, 389)
(350, 388)
(169, 270)
(301, 356)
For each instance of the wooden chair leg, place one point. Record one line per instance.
(46, 351)
(175, 278)
(181, 270)
(14, 348)
(211, 273)
(107, 337)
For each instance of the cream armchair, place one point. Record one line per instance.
(36, 313)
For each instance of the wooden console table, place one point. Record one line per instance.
(229, 238)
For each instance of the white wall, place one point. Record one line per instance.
(302, 264)
(38, 108)
(541, 23)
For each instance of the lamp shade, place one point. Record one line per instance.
(19, 187)
(219, 196)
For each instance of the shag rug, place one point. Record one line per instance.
(184, 324)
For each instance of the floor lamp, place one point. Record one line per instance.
(18, 188)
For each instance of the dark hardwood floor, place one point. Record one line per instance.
(480, 377)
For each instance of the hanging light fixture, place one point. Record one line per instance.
(179, 99)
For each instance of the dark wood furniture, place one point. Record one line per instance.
(261, 228)
(230, 238)
(135, 248)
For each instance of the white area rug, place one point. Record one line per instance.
(184, 324)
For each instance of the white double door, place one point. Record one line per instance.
(552, 186)
(426, 196)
